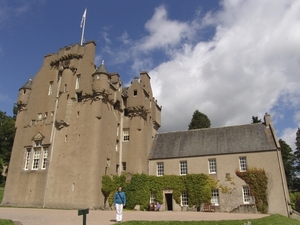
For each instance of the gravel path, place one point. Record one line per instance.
(30, 216)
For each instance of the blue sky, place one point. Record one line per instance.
(229, 59)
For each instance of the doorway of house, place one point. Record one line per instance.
(169, 201)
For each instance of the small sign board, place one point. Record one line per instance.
(83, 212)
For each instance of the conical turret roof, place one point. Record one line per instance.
(101, 68)
(27, 85)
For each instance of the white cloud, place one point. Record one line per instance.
(163, 33)
(251, 62)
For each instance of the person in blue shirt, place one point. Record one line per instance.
(119, 203)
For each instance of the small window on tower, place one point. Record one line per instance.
(50, 88)
(79, 96)
(77, 82)
(134, 92)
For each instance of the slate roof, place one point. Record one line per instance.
(213, 141)
(27, 85)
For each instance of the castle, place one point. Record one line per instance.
(77, 122)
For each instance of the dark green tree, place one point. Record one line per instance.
(297, 158)
(288, 159)
(7, 134)
(199, 121)
(255, 119)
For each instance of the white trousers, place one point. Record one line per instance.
(119, 212)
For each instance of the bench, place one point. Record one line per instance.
(208, 207)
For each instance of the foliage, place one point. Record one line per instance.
(295, 200)
(255, 119)
(297, 151)
(138, 188)
(268, 220)
(6, 222)
(7, 134)
(196, 182)
(258, 182)
(288, 159)
(199, 120)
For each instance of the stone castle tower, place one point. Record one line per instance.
(76, 123)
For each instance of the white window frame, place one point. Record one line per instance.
(77, 84)
(36, 158)
(243, 163)
(45, 158)
(215, 197)
(246, 194)
(126, 134)
(27, 158)
(184, 199)
(183, 168)
(212, 166)
(152, 197)
(160, 168)
(50, 88)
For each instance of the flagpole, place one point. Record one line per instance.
(83, 26)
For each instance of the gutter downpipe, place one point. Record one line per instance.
(52, 137)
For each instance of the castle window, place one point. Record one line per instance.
(79, 96)
(27, 158)
(160, 169)
(184, 199)
(77, 82)
(212, 165)
(66, 138)
(117, 168)
(152, 197)
(33, 122)
(36, 158)
(45, 157)
(65, 88)
(40, 116)
(134, 92)
(183, 167)
(243, 164)
(52, 113)
(215, 196)
(38, 143)
(123, 166)
(50, 88)
(246, 194)
(126, 134)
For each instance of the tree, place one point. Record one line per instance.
(255, 119)
(297, 156)
(288, 159)
(7, 134)
(199, 121)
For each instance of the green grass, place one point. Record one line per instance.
(6, 222)
(1, 193)
(270, 220)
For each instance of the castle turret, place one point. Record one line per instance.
(24, 93)
(101, 79)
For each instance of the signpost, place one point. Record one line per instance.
(83, 212)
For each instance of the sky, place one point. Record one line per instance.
(230, 59)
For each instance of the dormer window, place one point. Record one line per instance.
(38, 143)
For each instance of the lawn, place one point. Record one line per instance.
(270, 220)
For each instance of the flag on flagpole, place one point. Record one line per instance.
(82, 25)
(83, 18)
